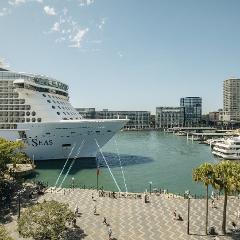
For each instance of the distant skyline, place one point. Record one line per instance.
(128, 54)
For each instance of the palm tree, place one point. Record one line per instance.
(227, 179)
(204, 174)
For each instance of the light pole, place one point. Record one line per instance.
(150, 188)
(73, 179)
(19, 203)
(188, 206)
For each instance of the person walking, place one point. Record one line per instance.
(109, 233)
(105, 220)
(175, 214)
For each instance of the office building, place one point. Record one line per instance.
(167, 117)
(88, 113)
(193, 110)
(231, 100)
(137, 119)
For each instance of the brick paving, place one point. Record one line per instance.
(132, 219)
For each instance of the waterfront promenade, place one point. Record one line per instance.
(131, 218)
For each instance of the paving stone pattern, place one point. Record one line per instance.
(133, 219)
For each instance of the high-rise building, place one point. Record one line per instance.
(167, 117)
(231, 100)
(193, 110)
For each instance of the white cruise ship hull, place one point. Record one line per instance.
(56, 140)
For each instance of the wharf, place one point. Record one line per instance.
(131, 218)
(208, 135)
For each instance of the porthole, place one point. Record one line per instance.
(33, 119)
(33, 113)
(58, 113)
(28, 113)
(39, 119)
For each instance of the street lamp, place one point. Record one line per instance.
(73, 179)
(187, 194)
(150, 187)
(19, 202)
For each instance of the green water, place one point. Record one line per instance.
(164, 159)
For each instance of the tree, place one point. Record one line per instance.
(204, 174)
(226, 179)
(47, 220)
(10, 152)
(4, 234)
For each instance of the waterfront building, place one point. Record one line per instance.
(193, 110)
(137, 119)
(35, 109)
(168, 117)
(87, 113)
(214, 116)
(231, 100)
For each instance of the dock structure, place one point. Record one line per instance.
(208, 135)
(193, 129)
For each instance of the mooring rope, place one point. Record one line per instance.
(121, 165)
(64, 165)
(73, 161)
(108, 167)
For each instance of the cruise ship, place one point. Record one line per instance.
(35, 109)
(228, 149)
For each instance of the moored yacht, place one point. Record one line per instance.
(36, 109)
(228, 149)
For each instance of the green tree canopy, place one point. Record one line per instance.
(47, 220)
(10, 152)
(3, 234)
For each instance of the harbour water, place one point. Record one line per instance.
(162, 158)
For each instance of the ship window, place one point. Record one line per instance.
(65, 119)
(39, 119)
(53, 101)
(58, 113)
(64, 113)
(33, 119)
(33, 113)
(66, 145)
(97, 131)
(59, 107)
(28, 113)
(28, 119)
(108, 130)
(53, 107)
(44, 95)
(48, 101)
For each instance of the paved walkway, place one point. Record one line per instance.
(132, 219)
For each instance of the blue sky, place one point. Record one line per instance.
(126, 54)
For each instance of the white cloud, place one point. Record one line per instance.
(56, 27)
(4, 63)
(49, 11)
(102, 23)
(83, 3)
(19, 2)
(4, 11)
(78, 37)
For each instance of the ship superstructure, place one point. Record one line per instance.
(36, 109)
(228, 149)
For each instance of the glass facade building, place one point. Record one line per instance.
(192, 110)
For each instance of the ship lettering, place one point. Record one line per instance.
(36, 143)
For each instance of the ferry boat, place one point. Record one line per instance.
(36, 110)
(228, 149)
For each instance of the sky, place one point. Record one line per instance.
(125, 54)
